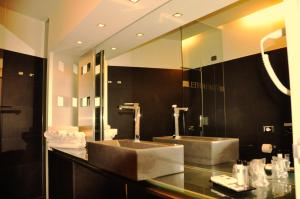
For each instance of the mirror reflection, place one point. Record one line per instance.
(212, 67)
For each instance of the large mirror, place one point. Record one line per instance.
(150, 75)
(212, 66)
(203, 90)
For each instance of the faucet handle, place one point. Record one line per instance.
(137, 138)
(174, 106)
(128, 103)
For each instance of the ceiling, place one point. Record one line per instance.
(62, 15)
(124, 20)
(153, 17)
(39, 9)
(115, 14)
(160, 21)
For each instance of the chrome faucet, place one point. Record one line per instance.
(137, 109)
(176, 117)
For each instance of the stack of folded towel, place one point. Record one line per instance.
(109, 133)
(65, 137)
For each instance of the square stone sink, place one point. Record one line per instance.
(136, 160)
(205, 150)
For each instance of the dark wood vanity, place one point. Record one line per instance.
(71, 176)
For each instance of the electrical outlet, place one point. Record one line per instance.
(268, 129)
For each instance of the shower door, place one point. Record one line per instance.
(203, 89)
(21, 125)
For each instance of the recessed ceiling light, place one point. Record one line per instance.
(177, 14)
(79, 42)
(100, 25)
(139, 34)
(113, 48)
(134, 1)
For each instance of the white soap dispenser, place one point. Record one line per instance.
(240, 173)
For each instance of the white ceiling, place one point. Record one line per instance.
(159, 22)
(116, 14)
(123, 20)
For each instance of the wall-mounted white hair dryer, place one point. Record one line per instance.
(273, 35)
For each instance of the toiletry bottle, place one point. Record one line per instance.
(240, 173)
(234, 171)
(279, 154)
(246, 173)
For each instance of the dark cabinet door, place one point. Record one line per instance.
(69, 179)
(21, 114)
(60, 177)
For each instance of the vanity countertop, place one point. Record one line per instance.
(194, 181)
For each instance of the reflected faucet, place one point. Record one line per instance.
(137, 109)
(176, 117)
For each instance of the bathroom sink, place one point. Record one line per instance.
(205, 150)
(136, 160)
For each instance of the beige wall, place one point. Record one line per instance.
(242, 37)
(198, 49)
(164, 52)
(86, 88)
(21, 33)
(235, 39)
(62, 83)
(293, 32)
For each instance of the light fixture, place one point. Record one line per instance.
(139, 34)
(134, 1)
(79, 42)
(113, 48)
(101, 25)
(177, 14)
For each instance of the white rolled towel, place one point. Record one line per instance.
(65, 138)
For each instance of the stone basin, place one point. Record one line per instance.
(136, 160)
(205, 150)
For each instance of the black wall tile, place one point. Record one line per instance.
(238, 99)
(117, 95)
(253, 101)
(192, 98)
(155, 89)
(220, 120)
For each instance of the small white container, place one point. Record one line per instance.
(240, 173)
(246, 174)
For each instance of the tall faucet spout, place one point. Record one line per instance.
(137, 114)
(176, 117)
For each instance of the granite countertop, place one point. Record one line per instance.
(194, 181)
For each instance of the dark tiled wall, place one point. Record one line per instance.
(238, 98)
(155, 89)
(192, 98)
(251, 101)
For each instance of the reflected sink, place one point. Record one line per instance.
(136, 160)
(205, 150)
